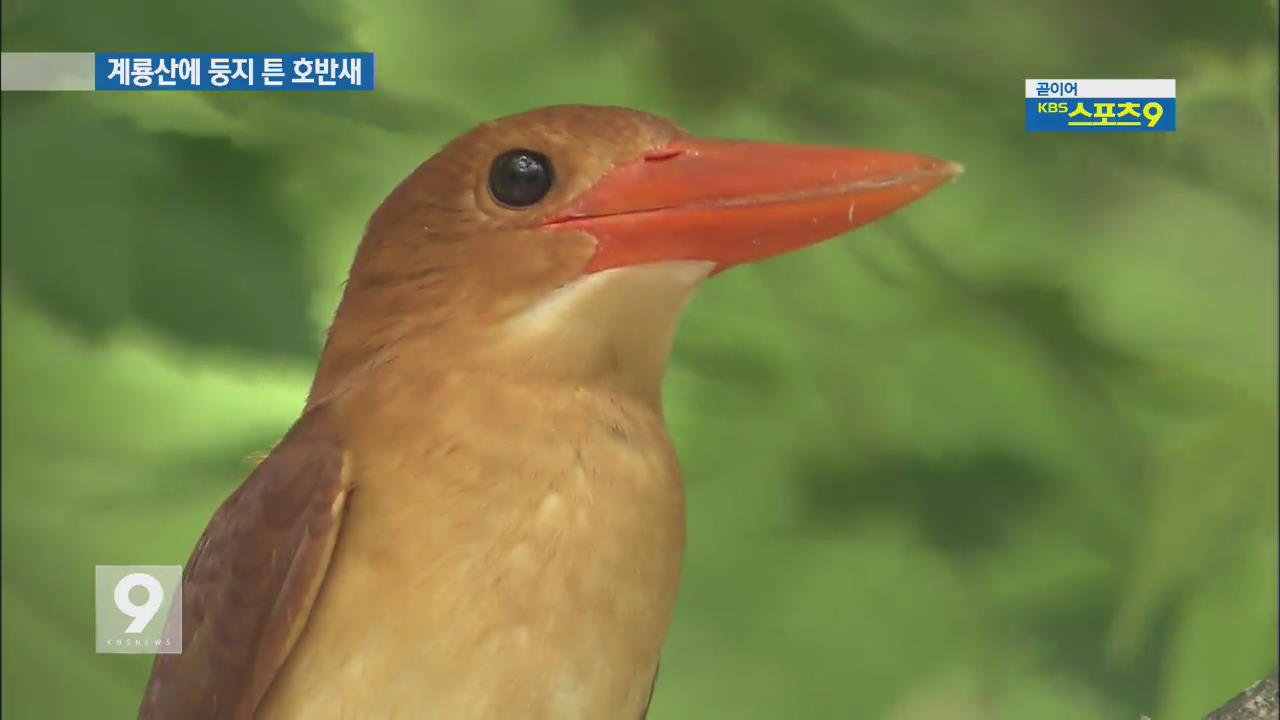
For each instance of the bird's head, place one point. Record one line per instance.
(564, 241)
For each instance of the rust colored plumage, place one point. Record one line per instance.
(253, 577)
(480, 514)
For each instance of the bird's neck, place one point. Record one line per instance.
(610, 331)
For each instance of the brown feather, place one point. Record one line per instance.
(250, 584)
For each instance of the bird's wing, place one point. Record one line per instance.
(251, 582)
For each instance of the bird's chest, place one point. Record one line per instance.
(500, 570)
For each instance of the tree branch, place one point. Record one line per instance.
(1259, 702)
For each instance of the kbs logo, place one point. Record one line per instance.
(139, 608)
(1101, 105)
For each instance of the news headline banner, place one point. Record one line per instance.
(199, 72)
(1102, 105)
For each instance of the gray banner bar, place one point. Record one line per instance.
(46, 71)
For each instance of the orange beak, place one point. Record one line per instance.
(737, 202)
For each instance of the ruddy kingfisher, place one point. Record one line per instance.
(479, 514)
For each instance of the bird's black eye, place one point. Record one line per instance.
(520, 178)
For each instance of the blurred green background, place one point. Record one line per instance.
(1008, 454)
